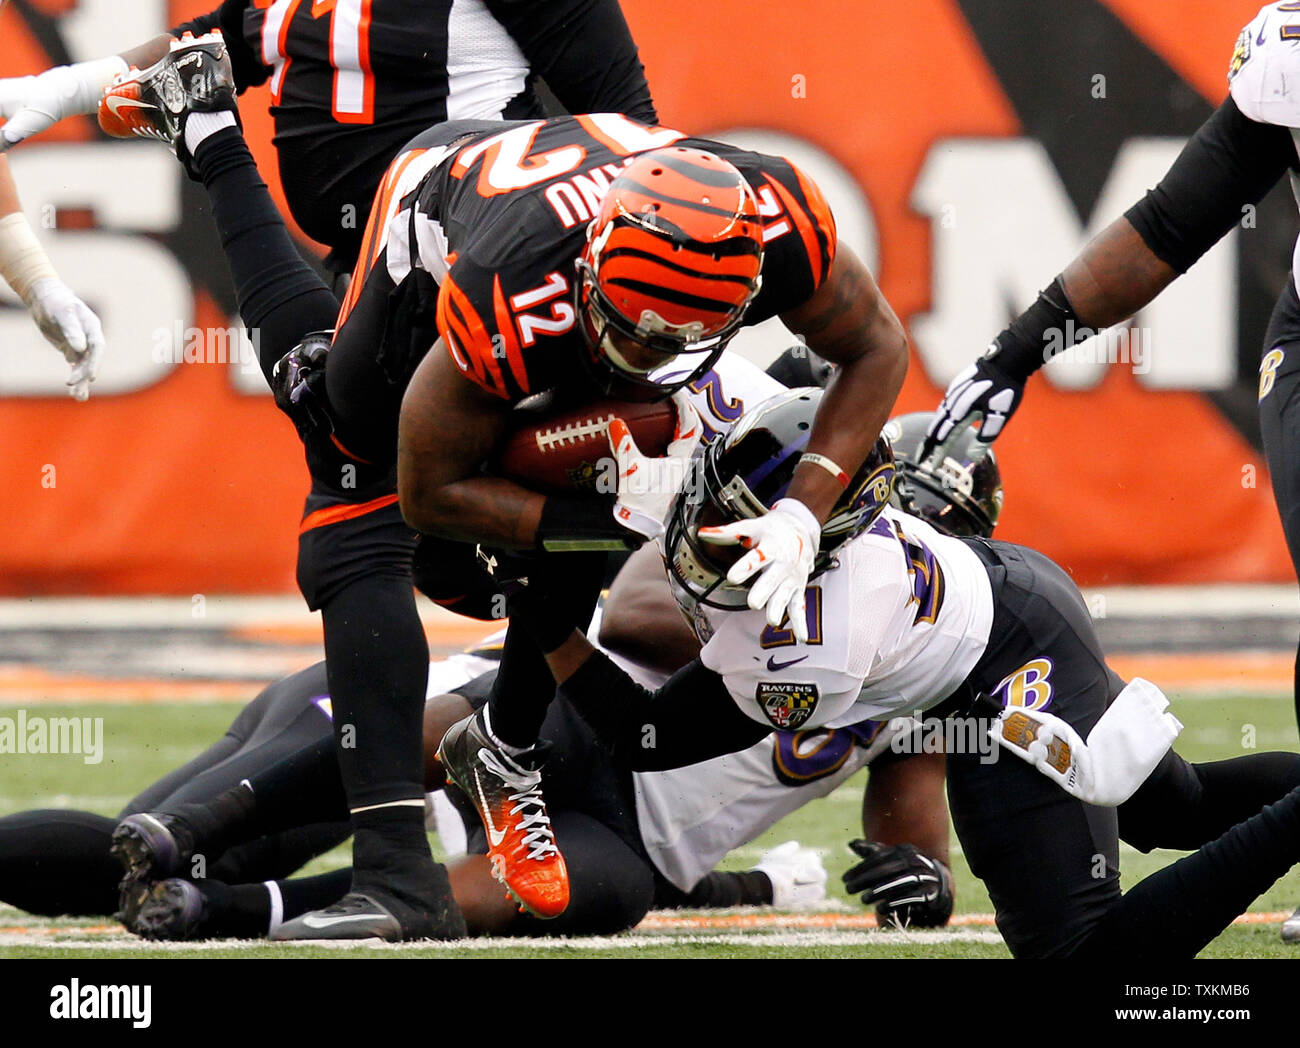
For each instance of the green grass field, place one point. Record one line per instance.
(143, 742)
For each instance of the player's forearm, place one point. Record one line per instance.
(8, 191)
(904, 803)
(1114, 276)
(849, 323)
(641, 620)
(487, 510)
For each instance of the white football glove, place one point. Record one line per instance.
(31, 104)
(71, 327)
(981, 389)
(647, 486)
(797, 874)
(1122, 750)
(783, 545)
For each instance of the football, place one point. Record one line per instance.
(561, 449)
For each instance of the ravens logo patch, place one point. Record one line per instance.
(787, 706)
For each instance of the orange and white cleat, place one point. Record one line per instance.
(193, 77)
(507, 791)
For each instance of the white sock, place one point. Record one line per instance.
(201, 126)
(511, 751)
(277, 905)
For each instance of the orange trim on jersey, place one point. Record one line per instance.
(372, 241)
(467, 338)
(367, 114)
(807, 223)
(506, 329)
(323, 518)
(820, 210)
(652, 136)
(281, 43)
(355, 458)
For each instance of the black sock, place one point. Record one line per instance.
(244, 911)
(279, 855)
(377, 659)
(280, 296)
(719, 890)
(524, 687)
(390, 852)
(1174, 913)
(304, 894)
(56, 862)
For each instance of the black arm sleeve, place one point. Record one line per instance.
(1230, 162)
(229, 18)
(584, 51)
(692, 718)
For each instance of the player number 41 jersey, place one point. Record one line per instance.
(893, 628)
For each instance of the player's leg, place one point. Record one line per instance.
(1279, 423)
(56, 861)
(1050, 863)
(1175, 913)
(284, 747)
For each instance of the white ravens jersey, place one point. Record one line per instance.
(894, 627)
(723, 394)
(691, 817)
(1264, 79)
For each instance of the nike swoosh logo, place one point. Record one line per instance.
(773, 665)
(329, 922)
(116, 102)
(495, 836)
(1259, 40)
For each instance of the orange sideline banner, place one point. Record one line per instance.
(968, 147)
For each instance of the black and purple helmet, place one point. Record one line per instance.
(741, 475)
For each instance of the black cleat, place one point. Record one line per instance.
(151, 847)
(195, 76)
(172, 910)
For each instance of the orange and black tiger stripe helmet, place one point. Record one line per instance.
(672, 259)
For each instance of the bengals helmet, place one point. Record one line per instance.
(959, 492)
(671, 263)
(741, 475)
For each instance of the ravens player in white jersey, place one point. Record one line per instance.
(1232, 161)
(903, 619)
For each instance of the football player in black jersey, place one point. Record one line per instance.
(353, 81)
(369, 615)
(477, 244)
(1231, 162)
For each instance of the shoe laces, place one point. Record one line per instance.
(539, 836)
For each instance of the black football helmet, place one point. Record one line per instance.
(960, 492)
(740, 476)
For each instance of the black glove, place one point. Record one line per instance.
(982, 389)
(908, 888)
(298, 385)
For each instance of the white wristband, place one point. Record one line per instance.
(22, 259)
